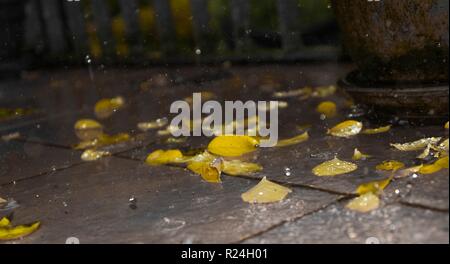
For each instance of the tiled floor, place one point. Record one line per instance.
(90, 200)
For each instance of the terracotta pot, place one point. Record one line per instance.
(396, 40)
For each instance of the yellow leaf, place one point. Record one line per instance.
(364, 203)
(327, 108)
(232, 146)
(425, 153)
(292, 141)
(430, 169)
(324, 91)
(106, 107)
(209, 171)
(103, 140)
(416, 145)
(160, 157)
(390, 165)
(334, 167)
(371, 131)
(88, 129)
(265, 192)
(346, 129)
(158, 123)
(443, 147)
(8, 232)
(446, 125)
(374, 187)
(92, 155)
(442, 162)
(240, 168)
(358, 155)
(408, 171)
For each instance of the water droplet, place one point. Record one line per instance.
(132, 202)
(198, 51)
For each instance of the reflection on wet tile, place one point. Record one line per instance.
(387, 225)
(92, 202)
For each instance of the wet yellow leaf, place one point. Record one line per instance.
(442, 162)
(443, 147)
(346, 129)
(358, 155)
(93, 155)
(103, 140)
(292, 141)
(416, 145)
(158, 123)
(160, 157)
(106, 107)
(265, 192)
(240, 168)
(408, 171)
(334, 167)
(375, 187)
(364, 203)
(232, 146)
(327, 108)
(88, 129)
(390, 165)
(446, 125)
(425, 153)
(371, 131)
(430, 169)
(8, 232)
(210, 171)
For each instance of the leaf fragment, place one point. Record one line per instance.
(104, 108)
(161, 157)
(158, 123)
(416, 145)
(240, 168)
(88, 129)
(408, 171)
(334, 167)
(364, 203)
(446, 125)
(438, 165)
(390, 165)
(265, 192)
(372, 131)
(9, 232)
(232, 146)
(346, 129)
(358, 155)
(104, 140)
(93, 155)
(327, 108)
(375, 187)
(292, 141)
(210, 171)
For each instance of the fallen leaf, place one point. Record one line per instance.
(364, 203)
(240, 168)
(265, 192)
(292, 141)
(416, 145)
(358, 155)
(93, 155)
(408, 171)
(210, 171)
(430, 169)
(8, 232)
(442, 162)
(425, 153)
(161, 157)
(334, 167)
(346, 129)
(446, 125)
(324, 91)
(232, 146)
(371, 131)
(158, 123)
(327, 108)
(390, 165)
(88, 129)
(375, 187)
(108, 106)
(104, 140)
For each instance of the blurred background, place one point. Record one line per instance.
(171, 31)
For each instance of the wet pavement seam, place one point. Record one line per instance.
(421, 206)
(242, 240)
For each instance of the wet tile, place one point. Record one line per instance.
(91, 202)
(21, 160)
(392, 224)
